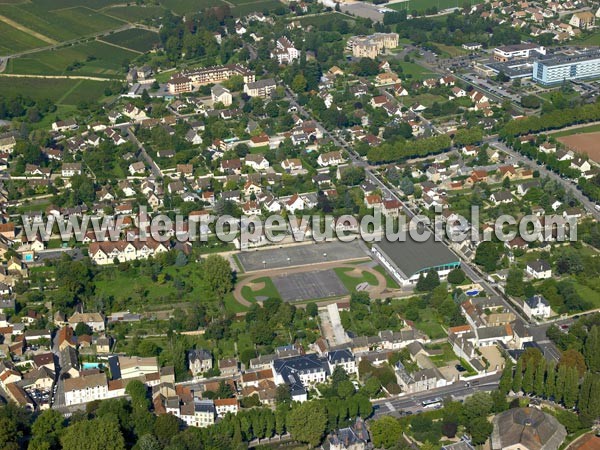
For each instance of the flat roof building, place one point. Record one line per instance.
(405, 261)
(560, 68)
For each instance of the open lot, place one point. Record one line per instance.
(583, 143)
(309, 285)
(300, 255)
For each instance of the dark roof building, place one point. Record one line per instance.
(406, 260)
(527, 429)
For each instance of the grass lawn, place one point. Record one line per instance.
(415, 71)
(351, 282)
(268, 291)
(391, 283)
(587, 293)
(451, 51)
(443, 359)
(429, 324)
(52, 89)
(425, 99)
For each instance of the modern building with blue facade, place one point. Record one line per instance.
(560, 68)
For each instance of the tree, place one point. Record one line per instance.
(514, 282)
(299, 83)
(488, 255)
(477, 405)
(46, 430)
(372, 387)
(480, 429)
(306, 422)
(456, 276)
(98, 434)
(572, 358)
(528, 377)
(165, 427)
(312, 310)
(282, 393)
(539, 378)
(148, 442)
(517, 383)
(385, 432)
(571, 389)
(429, 282)
(9, 433)
(83, 328)
(549, 387)
(505, 384)
(217, 273)
(591, 349)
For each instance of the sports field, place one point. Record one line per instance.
(135, 39)
(93, 58)
(584, 143)
(301, 255)
(309, 285)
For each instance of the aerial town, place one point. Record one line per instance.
(282, 224)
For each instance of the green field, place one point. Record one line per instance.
(135, 39)
(14, 40)
(135, 13)
(96, 58)
(73, 91)
(321, 19)
(269, 291)
(242, 9)
(59, 23)
(351, 282)
(416, 71)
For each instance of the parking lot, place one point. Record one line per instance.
(301, 255)
(309, 285)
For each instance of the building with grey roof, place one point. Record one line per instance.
(406, 261)
(527, 429)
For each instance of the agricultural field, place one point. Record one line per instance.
(58, 22)
(135, 39)
(188, 6)
(14, 40)
(90, 59)
(241, 9)
(59, 91)
(135, 13)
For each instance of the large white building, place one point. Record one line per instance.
(508, 52)
(285, 52)
(556, 70)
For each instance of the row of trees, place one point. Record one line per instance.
(401, 150)
(552, 120)
(569, 382)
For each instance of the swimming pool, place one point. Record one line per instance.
(472, 292)
(88, 365)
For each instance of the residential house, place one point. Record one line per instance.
(537, 306)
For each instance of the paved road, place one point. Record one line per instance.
(153, 166)
(412, 402)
